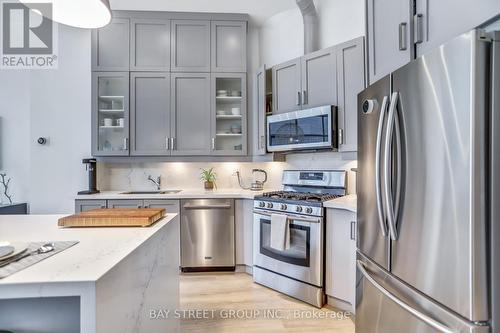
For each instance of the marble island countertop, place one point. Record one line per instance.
(98, 250)
(105, 283)
(348, 202)
(232, 193)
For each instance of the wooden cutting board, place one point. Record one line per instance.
(114, 217)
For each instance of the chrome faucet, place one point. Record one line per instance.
(157, 182)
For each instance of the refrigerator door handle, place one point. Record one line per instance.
(391, 217)
(425, 318)
(378, 187)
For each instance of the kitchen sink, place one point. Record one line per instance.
(153, 192)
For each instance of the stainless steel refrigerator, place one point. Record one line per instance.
(428, 194)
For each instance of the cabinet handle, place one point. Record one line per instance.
(262, 142)
(304, 97)
(298, 97)
(418, 33)
(172, 143)
(402, 36)
(213, 143)
(167, 143)
(353, 230)
(341, 136)
(125, 143)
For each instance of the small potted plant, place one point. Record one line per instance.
(208, 176)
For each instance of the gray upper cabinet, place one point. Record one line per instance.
(437, 21)
(191, 114)
(229, 114)
(260, 107)
(351, 81)
(190, 46)
(229, 43)
(389, 36)
(110, 46)
(149, 45)
(110, 114)
(319, 78)
(149, 114)
(287, 92)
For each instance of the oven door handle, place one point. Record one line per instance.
(291, 216)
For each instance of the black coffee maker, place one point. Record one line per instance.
(91, 167)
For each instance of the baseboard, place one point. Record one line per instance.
(340, 304)
(244, 269)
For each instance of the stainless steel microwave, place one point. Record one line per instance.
(314, 128)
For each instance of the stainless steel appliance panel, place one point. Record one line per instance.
(495, 185)
(439, 240)
(207, 233)
(373, 105)
(304, 260)
(385, 304)
(314, 128)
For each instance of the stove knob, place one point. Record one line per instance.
(269, 205)
(309, 210)
(298, 209)
(262, 204)
(283, 206)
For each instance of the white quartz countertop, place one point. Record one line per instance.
(348, 202)
(183, 194)
(98, 250)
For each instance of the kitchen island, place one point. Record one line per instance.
(109, 282)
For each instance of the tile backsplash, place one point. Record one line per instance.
(186, 175)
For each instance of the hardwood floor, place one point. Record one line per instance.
(235, 304)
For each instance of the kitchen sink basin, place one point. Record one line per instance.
(153, 192)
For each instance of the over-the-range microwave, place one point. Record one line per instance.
(314, 128)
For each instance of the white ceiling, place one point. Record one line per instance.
(259, 10)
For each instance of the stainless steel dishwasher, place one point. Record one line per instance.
(207, 235)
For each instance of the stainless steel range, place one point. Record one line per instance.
(298, 270)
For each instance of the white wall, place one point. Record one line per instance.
(54, 104)
(282, 35)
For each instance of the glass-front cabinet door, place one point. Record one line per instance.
(110, 114)
(229, 114)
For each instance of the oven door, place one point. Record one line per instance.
(303, 261)
(304, 129)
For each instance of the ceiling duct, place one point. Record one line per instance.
(310, 17)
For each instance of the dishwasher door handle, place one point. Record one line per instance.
(215, 206)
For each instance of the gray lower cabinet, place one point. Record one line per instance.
(341, 258)
(190, 46)
(319, 78)
(287, 92)
(229, 43)
(243, 218)
(150, 118)
(191, 114)
(85, 205)
(110, 46)
(351, 81)
(110, 114)
(149, 45)
(126, 203)
(171, 206)
(389, 36)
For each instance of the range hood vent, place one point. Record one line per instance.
(310, 16)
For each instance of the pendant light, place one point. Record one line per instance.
(88, 14)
